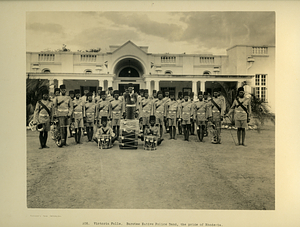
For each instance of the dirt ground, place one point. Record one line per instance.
(179, 175)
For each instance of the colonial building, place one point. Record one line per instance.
(129, 63)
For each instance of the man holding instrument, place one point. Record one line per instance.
(242, 107)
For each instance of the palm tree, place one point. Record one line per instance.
(33, 94)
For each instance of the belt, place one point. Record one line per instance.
(116, 111)
(160, 111)
(200, 113)
(77, 112)
(147, 111)
(185, 112)
(240, 111)
(90, 113)
(172, 111)
(44, 115)
(216, 111)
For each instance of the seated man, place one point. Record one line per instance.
(105, 136)
(153, 129)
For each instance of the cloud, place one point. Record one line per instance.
(47, 27)
(142, 23)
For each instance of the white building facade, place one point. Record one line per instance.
(129, 63)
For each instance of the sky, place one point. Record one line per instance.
(163, 32)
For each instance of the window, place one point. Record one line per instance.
(206, 72)
(259, 50)
(88, 57)
(168, 59)
(46, 57)
(207, 60)
(46, 70)
(168, 72)
(261, 86)
(87, 71)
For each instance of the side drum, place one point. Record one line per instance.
(105, 142)
(150, 142)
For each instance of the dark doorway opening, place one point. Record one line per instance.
(129, 72)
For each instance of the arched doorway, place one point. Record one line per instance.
(129, 70)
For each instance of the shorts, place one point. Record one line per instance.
(199, 122)
(217, 124)
(89, 124)
(63, 121)
(46, 126)
(78, 123)
(172, 121)
(241, 124)
(186, 122)
(159, 118)
(115, 122)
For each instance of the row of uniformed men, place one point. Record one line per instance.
(183, 112)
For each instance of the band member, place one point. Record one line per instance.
(103, 108)
(146, 107)
(43, 115)
(98, 96)
(172, 113)
(205, 97)
(117, 110)
(85, 92)
(242, 107)
(192, 119)
(159, 111)
(217, 109)
(79, 112)
(153, 129)
(110, 96)
(201, 114)
(71, 119)
(154, 94)
(90, 115)
(180, 100)
(166, 99)
(186, 115)
(105, 130)
(64, 109)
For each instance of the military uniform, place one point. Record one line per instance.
(186, 115)
(146, 108)
(217, 112)
(64, 109)
(117, 111)
(153, 130)
(103, 134)
(104, 108)
(78, 114)
(43, 114)
(90, 116)
(201, 114)
(172, 113)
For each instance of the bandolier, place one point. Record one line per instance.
(90, 115)
(146, 107)
(159, 111)
(186, 115)
(117, 110)
(104, 108)
(79, 112)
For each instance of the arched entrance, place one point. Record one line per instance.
(129, 70)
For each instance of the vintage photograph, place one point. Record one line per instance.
(150, 110)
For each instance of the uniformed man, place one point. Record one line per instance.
(90, 115)
(64, 110)
(154, 94)
(242, 107)
(201, 114)
(104, 108)
(159, 111)
(98, 97)
(71, 119)
(117, 110)
(180, 100)
(205, 97)
(153, 129)
(172, 113)
(216, 106)
(43, 115)
(192, 119)
(79, 112)
(85, 92)
(110, 96)
(146, 106)
(104, 130)
(166, 99)
(56, 93)
(186, 115)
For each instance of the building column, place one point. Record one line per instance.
(194, 88)
(59, 82)
(148, 87)
(202, 86)
(156, 85)
(51, 86)
(101, 84)
(109, 83)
